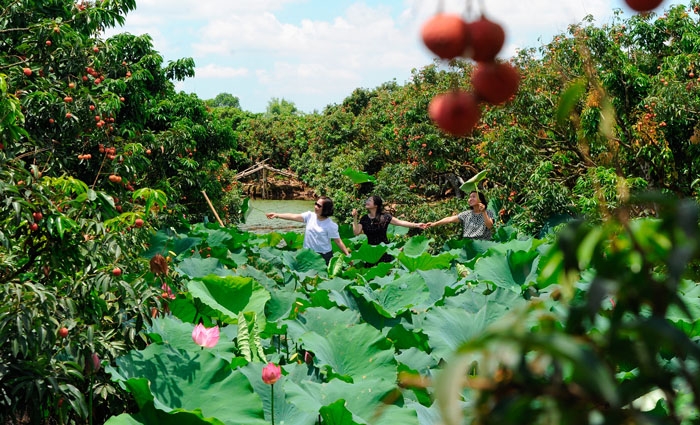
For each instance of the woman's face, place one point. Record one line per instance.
(318, 206)
(369, 203)
(473, 199)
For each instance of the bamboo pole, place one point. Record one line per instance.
(212, 209)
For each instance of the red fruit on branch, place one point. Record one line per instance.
(487, 38)
(27, 72)
(117, 272)
(643, 5)
(38, 216)
(33, 227)
(48, 42)
(446, 35)
(138, 222)
(495, 82)
(456, 112)
(63, 332)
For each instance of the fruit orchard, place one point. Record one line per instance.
(107, 265)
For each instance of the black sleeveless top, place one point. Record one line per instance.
(375, 228)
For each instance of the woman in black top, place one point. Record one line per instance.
(375, 223)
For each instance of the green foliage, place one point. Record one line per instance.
(524, 323)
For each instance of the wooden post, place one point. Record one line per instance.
(264, 181)
(212, 209)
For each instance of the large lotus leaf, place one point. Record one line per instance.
(416, 360)
(337, 414)
(426, 415)
(293, 240)
(191, 380)
(365, 400)
(355, 353)
(260, 277)
(403, 336)
(688, 318)
(304, 263)
(199, 267)
(449, 327)
(397, 230)
(368, 253)
(472, 184)
(470, 248)
(437, 280)
(321, 321)
(394, 298)
(426, 261)
(285, 412)
(280, 305)
(218, 238)
(238, 257)
(334, 284)
(358, 177)
(496, 303)
(417, 246)
(184, 309)
(170, 330)
(271, 239)
(231, 295)
(495, 269)
(336, 292)
(149, 415)
(162, 242)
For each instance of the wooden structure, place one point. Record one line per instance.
(264, 168)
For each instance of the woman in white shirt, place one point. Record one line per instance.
(320, 229)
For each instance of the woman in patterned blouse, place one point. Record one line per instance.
(477, 222)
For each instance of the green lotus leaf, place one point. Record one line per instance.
(192, 381)
(359, 177)
(368, 253)
(450, 327)
(321, 321)
(337, 414)
(231, 295)
(473, 183)
(199, 267)
(364, 400)
(356, 353)
(426, 261)
(394, 298)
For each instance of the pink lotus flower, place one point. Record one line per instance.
(205, 337)
(271, 373)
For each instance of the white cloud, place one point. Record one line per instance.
(213, 70)
(310, 51)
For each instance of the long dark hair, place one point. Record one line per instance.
(379, 203)
(481, 196)
(327, 209)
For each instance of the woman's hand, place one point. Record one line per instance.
(354, 212)
(271, 215)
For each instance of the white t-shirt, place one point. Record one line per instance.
(319, 233)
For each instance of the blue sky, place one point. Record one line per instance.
(316, 52)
